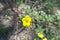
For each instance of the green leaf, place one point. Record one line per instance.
(19, 2)
(39, 29)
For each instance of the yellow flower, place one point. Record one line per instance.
(40, 35)
(28, 17)
(26, 20)
(44, 38)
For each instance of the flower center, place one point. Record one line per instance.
(26, 20)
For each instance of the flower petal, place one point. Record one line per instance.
(28, 17)
(26, 24)
(40, 35)
(23, 19)
(45, 38)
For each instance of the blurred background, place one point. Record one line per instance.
(45, 16)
